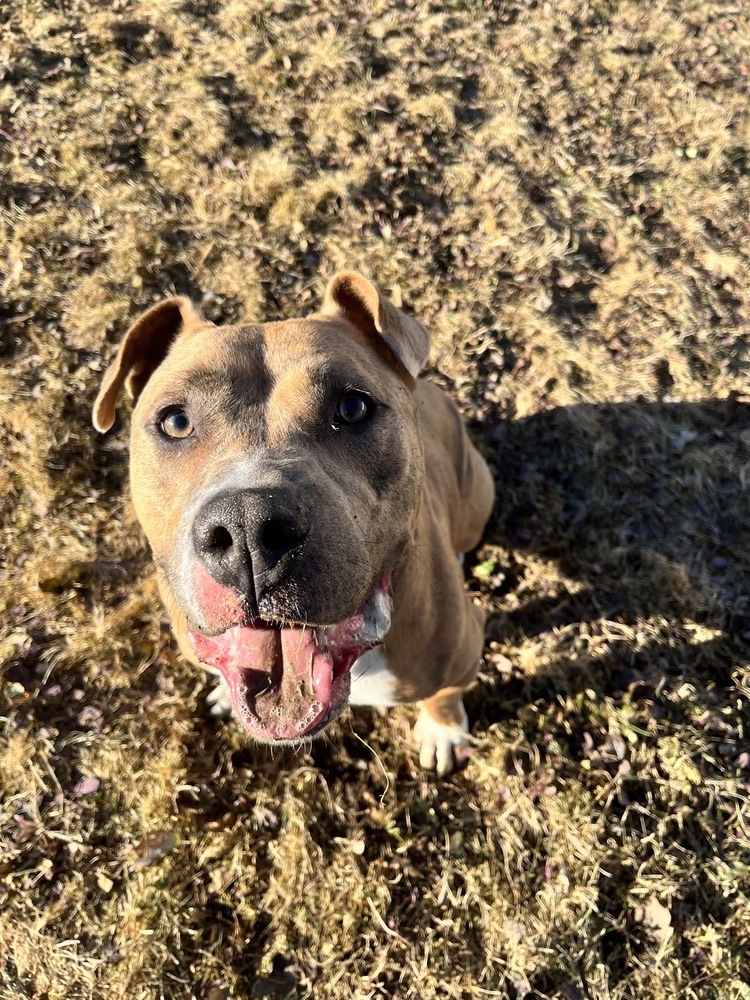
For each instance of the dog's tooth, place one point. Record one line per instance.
(377, 616)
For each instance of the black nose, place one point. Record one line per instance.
(244, 539)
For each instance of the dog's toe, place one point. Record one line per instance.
(219, 700)
(440, 745)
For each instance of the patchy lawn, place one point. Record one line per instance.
(560, 189)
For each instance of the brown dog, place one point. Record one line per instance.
(305, 498)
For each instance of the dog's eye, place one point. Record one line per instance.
(176, 424)
(353, 408)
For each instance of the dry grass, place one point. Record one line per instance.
(561, 190)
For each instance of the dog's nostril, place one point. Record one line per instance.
(280, 536)
(220, 539)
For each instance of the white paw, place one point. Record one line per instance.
(439, 744)
(219, 700)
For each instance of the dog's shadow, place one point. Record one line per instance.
(620, 542)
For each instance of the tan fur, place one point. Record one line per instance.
(437, 642)
(265, 401)
(437, 635)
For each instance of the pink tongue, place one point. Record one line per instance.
(279, 680)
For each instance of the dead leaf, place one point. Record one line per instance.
(90, 714)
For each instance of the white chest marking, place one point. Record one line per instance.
(372, 681)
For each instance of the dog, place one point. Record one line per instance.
(307, 499)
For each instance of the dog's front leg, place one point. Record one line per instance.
(442, 730)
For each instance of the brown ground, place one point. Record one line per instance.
(561, 190)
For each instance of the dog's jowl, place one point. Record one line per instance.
(305, 496)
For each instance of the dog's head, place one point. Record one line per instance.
(276, 470)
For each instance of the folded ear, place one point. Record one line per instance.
(142, 350)
(406, 340)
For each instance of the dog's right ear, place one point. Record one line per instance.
(142, 350)
(402, 339)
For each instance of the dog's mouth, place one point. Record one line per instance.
(288, 680)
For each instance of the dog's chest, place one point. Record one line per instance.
(372, 681)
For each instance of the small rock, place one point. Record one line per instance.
(655, 918)
(104, 882)
(87, 786)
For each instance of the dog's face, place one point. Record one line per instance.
(276, 470)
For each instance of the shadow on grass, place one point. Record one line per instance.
(644, 510)
(619, 569)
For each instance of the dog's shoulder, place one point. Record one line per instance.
(455, 470)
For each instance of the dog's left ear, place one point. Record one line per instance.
(142, 350)
(405, 339)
